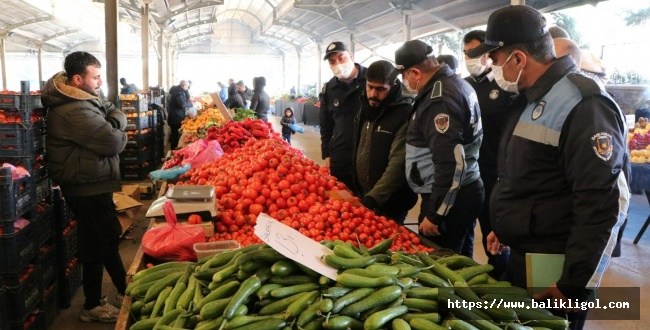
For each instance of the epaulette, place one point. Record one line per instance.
(437, 90)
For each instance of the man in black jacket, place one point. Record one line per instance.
(442, 146)
(562, 164)
(340, 101)
(176, 111)
(379, 144)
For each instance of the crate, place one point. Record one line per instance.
(67, 245)
(18, 249)
(4, 312)
(49, 306)
(138, 140)
(34, 164)
(135, 172)
(47, 261)
(43, 221)
(136, 155)
(140, 121)
(44, 190)
(211, 248)
(24, 295)
(62, 214)
(21, 139)
(32, 321)
(16, 196)
(22, 101)
(140, 104)
(68, 285)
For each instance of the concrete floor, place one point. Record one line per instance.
(627, 271)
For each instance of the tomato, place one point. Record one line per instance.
(194, 219)
(256, 209)
(286, 193)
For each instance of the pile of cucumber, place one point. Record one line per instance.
(257, 288)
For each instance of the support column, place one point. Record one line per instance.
(3, 59)
(145, 46)
(517, 2)
(319, 59)
(160, 60)
(174, 61)
(284, 72)
(406, 27)
(299, 53)
(351, 43)
(40, 64)
(168, 64)
(111, 19)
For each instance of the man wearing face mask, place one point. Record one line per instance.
(340, 102)
(442, 145)
(493, 101)
(563, 164)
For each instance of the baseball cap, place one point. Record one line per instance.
(450, 60)
(335, 47)
(509, 26)
(411, 53)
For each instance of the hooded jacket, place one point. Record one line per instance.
(286, 121)
(379, 148)
(84, 138)
(261, 101)
(234, 100)
(177, 104)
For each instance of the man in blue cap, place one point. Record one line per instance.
(562, 164)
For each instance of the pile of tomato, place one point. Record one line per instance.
(272, 177)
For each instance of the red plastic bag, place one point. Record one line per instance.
(200, 152)
(173, 242)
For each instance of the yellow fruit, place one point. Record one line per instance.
(634, 153)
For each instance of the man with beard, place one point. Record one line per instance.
(84, 138)
(379, 144)
(340, 101)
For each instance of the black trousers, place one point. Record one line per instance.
(460, 220)
(499, 261)
(174, 136)
(99, 233)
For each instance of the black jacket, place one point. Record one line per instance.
(234, 100)
(261, 101)
(339, 105)
(176, 107)
(384, 168)
(563, 168)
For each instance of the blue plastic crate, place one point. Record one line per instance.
(49, 306)
(140, 121)
(21, 139)
(16, 196)
(24, 293)
(18, 249)
(68, 285)
(47, 261)
(44, 221)
(67, 246)
(44, 190)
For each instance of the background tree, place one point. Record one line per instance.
(453, 41)
(636, 18)
(568, 23)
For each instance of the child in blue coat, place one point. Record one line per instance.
(287, 120)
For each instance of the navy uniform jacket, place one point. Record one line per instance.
(562, 171)
(443, 141)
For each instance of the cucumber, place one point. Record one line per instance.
(469, 272)
(221, 275)
(422, 305)
(147, 308)
(298, 306)
(265, 290)
(167, 281)
(423, 324)
(345, 251)
(381, 247)
(457, 262)
(457, 324)
(160, 301)
(315, 324)
(317, 308)
(136, 308)
(284, 268)
(336, 291)
(423, 292)
(401, 257)
(440, 270)
(292, 279)
(242, 320)
(379, 297)
(264, 274)
(399, 324)
(152, 277)
(246, 289)
(140, 290)
(478, 279)
(280, 305)
(406, 282)
(381, 318)
(168, 317)
(242, 275)
(407, 271)
(160, 267)
(356, 281)
(213, 309)
(251, 266)
(494, 284)
(384, 269)
(433, 317)
(146, 324)
(220, 259)
(347, 263)
(186, 297)
(363, 272)
(223, 291)
(291, 290)
(351, 298)
(172, 301)
(268, 324)
(267, 256)
(211, 324)
(324, 280)
(432, 280)
(342, 323)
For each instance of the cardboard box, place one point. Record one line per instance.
(126, 208)
(131, 190)
(218, 102)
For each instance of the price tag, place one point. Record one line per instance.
(294, 245)
(631, 120)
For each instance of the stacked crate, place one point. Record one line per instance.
(67, 268)
(157, 105)
(136, 158)
(25, 226)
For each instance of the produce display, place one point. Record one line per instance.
(197, 126)
(639, 142)
(256, 287)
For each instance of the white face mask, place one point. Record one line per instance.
(474, 66)
(408, 87)
(507, 86)
(344, 70)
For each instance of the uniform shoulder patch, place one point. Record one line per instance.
(494, 94)
(602, 144)
(539, 109)
(437, 90)
(442, 122)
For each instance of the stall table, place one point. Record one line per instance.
(639, 184)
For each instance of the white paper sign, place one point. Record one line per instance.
(294, 245)
(630, 119)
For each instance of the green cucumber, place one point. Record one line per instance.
(336, 291)
(422, 305)
(242, 320)
(161, 267)
(246, 289)
(223, 291)
(424, 324)
(280, 305)
(342, 323)
(379, 297)
(160, 302)
(381, 318)
(284, 268)
(146, 324)
(345, 251)
(423, 292)
(315, 309)
(433, 317)
(298, 306)
(457, 262)
(469, 272)
(478, 279)
(265, 290)
(432, 280)
(291, 290)
(441, 270)
(356, 281)
(168, 281)
(292, 279)
(399, 324)
(350, 298)
(347, 263)
(214, 308)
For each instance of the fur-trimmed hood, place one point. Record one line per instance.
(57, 92)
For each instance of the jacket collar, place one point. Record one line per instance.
(553, 74)
(444, 72)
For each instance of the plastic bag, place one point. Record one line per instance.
(190, 112)
(200, 152)
(297, 128)
(172, 242)
(170, 173)
(17, 172)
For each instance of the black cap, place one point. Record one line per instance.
(450, 60)
(411, 53)
(510, 26)
(240, 83)
(335, 47)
